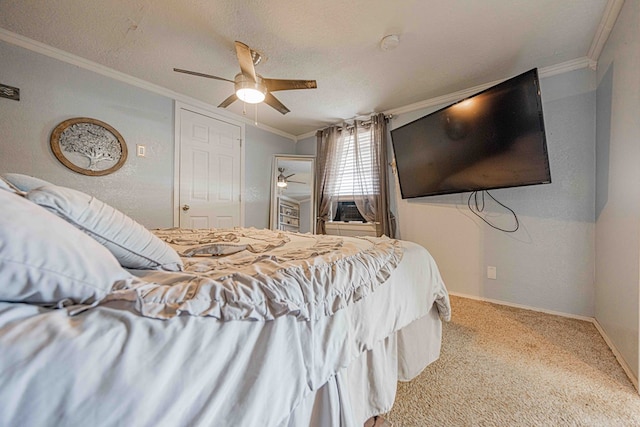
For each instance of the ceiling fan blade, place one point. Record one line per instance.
(283, 84)
(297, 182)
(195, 73)
(289, 176)
(228, 101)
(272, 101)
(243, 52)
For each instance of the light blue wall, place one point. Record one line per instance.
(548, 263)
(52, 91)
(261, 147)
(306, 146)
(618, 183)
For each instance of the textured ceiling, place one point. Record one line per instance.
(445, 46)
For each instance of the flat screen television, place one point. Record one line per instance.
(494, 139)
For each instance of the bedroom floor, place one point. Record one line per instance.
(518, 367)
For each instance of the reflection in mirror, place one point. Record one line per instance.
(292, 193)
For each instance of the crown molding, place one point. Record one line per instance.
(306, 135)
(611, 12)
(61, 55)
(439, 100)
(565, 67)
(552, 70)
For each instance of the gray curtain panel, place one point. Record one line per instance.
(353, 159)
(326, 158)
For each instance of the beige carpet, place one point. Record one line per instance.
(504, 366)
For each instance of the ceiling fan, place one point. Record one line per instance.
(250, 86)
(283, 180)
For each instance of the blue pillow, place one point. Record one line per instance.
(24, 183)
(131, 243)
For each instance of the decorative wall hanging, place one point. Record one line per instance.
(88, 146)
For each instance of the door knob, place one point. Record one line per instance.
(185, 207)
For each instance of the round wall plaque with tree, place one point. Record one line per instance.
(88, 146)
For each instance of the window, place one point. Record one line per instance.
(356, 149)
(352, 162)
(348, 211)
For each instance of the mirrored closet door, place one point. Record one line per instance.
(293, 202)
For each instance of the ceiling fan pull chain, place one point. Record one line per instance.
(256, 115)
(244, 108)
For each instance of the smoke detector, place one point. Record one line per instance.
(389, 42)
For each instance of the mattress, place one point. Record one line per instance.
(111, 365)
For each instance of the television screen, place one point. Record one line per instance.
(494, 139)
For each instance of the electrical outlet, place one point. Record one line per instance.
(492, 272)
(141, 150)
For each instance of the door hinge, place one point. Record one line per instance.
(239, 197)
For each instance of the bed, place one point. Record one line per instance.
(106, 323)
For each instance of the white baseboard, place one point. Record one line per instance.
(613, 348)
(616, 353)
(524, 307)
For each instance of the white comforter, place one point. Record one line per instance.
(110, 366)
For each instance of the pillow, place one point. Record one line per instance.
(24, 183)
(6, 185)
(44, 259)
(133, 245)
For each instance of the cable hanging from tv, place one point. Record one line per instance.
(478, 207)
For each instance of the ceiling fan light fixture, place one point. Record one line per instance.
(282, 182)
(249, 91)
(250, 95)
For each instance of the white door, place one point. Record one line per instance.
(210, 153)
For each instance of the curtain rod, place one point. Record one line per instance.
(365, 122)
